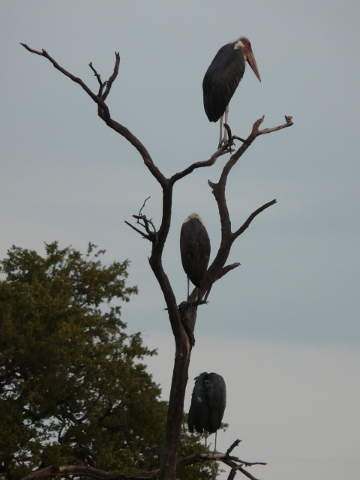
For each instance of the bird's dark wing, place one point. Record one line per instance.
(199, 410)
(195, 250)
(216, 397)
(221, 80)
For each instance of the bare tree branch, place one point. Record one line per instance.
(44, 53)
(228, 269)
(226, 148)
(232, 446)
(104, 112)
(143, 205)
(215, 270)
(251, 218)
(288, 123)
(81, 470)
(138, 230)
(112, 77)
(232, 474)
(147, 225)
(204, 163)
(96, 74)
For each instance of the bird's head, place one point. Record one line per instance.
(245, 44)
(194, 216)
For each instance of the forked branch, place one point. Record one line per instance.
(103, 110)
(235, 463)
(44, 53)
(218, 269)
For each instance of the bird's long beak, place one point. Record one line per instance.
(252, 62)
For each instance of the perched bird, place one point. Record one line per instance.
(195, 249)
(208, 403)
(223, 77)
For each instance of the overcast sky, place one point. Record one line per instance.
(283, 328)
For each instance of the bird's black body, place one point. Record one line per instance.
(221, 80)
(208, 403)
(223, 77)
(195, 248)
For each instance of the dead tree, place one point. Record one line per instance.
(182, 317)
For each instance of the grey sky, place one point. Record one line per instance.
(283, 329)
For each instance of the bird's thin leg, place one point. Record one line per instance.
(226, 121)
(206, 440)
(188, 288)
(221, 130)
(215, 441)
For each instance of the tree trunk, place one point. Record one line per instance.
(184, 343)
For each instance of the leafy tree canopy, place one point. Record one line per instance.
(73, 388)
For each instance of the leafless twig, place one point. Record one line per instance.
(137, 230)
(143, 205)
(288, 123)
(96, 74)
(246, 224)
(145, 223)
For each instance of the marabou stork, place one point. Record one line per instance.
(208, 404)
(223, 77)
(195, 249)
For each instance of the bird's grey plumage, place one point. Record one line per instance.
(221, 80)
(208, 403)
(195, 248)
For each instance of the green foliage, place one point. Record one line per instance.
(73, 388)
